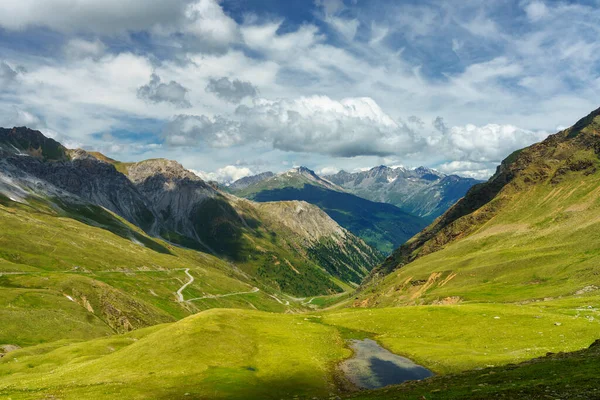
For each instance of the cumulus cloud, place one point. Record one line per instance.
(233, 91)
(158, 92)
(226, 175)
(348, 128)
(316, 124)
(491, 142)
(194, 130)
(202, 24)
(206, 21)
(325, 171)
(469, 169)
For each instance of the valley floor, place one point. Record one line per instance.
(241, 354)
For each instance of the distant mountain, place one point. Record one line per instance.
(381, 225)
(296, 177)
(421, 191)
(250, 180)
(291, 246)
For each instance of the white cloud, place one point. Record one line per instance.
(469, 169)
(206, 20)
(233, 91)
(330, 6)
(490, 142)
(348, 128)
(346, 27)
(156, 92)
(317, 124)
(17, 117)
(192, 130)
(328, 171)
(264, 38)
(226, 175)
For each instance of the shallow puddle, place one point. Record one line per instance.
(373, 367)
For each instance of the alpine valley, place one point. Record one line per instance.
(381, 225)
(141, 280)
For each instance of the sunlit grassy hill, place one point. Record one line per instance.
(530, 233)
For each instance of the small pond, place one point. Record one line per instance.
(374, 367)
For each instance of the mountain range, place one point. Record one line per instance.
(167, 202)
(383, 226)
(421, 191)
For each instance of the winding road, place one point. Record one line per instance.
(218, 296)
(210, 296)
(181, 289)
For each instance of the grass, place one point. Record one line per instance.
(257, 355)
(544, 243)
(215, 354)
(116, 284)
(556, 376)
(448, 339)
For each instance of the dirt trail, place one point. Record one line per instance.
(218, 296)
(181, 289)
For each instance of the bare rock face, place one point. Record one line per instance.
(82, 175)
(178, 196)
(307, 220)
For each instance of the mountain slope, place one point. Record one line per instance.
(250, 180)
(383, 226)
(288, 256)
(294, 178)
(167, 201)
(421, 191)
(73, 171)
(528, 233)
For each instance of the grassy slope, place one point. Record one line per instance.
(382, 226)
(286, 260)
(556, 376)
(49, 257)
(257, 355)
(536, 238)
(216, 354)
(543, 244)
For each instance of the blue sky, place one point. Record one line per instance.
(235, 87)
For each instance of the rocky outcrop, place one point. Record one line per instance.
(51, 166)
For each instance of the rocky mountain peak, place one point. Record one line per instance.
(250, 180)
(25, 141)
(167, 169)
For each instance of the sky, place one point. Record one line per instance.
(236, 87)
